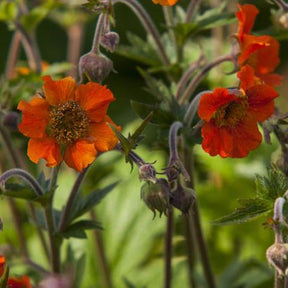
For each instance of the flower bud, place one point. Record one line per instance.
(277, 256)
(156, 196)
(11, 120)
(95, 67)
(182, 197)
(57, 281)
(147, 173)
(109, 41)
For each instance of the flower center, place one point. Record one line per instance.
(68, 123)
(231, 114)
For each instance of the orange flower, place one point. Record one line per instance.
(22, 282)
(69, 123)
(260, 52)
(25, 71)
(2, 265)
(165, 2)
(230, 119)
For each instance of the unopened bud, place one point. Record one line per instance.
(11, 120)
(277, 256)
(95, 67)
(156, 196)
(57, 281)
(182, 197)
(147, 173)
(110, 40)
(283, 20)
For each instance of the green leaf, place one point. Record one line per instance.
(161, 116)
(250, 209)
(21, 191)
(77, 229)
(83, 204)
(272, 186)
(37, 14)
(139, 50)
(8, 10)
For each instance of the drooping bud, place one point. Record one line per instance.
(277, 256)
(110, 40)
(156, 196)
(96, 67)
(11, 120)
(147, 173)
(57, 281)
(182, 197)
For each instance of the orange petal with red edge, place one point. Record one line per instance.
(94, 99)
(102, 135)
(21, 282)
(58, 91)
(165, 2)
(35, 117)
(46, 148)
(260, 99)
(79, 155)
(210, 102)
(246, 18)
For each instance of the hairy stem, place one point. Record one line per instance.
(98, 33)
(168, 249)
(191, 10)
(281, 4)
(202, 73)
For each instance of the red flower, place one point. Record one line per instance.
(230, 119)
(69, 123)
(21, 282)
(260, 52)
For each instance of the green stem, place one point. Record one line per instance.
(100, 249)
(168, 249)
(195, 221)
(191, 10)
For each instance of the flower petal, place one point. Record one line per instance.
(165, 2)
(260, 52)
(102, 135)
(21, 282)
(94, 99)
(46, 148)
(35, 117)
(210, 102)
(260, 99)
(2, 264)
(58, 91)
(246, 17)
(233, 142)
(80, 155)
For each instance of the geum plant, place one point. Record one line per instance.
(67, 124)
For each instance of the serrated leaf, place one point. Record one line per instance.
(83, 204)
(77, 229)
(8, 10)
(139, 50)
(250, 209)
(272, 186)
(21, 191)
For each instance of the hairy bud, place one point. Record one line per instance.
(147, 173)
(95, 67)
(156, 196)
(110, 40)
(277, 256)
(57, 281)
(182, 197)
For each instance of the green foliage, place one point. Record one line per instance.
(37, 14)
(268, 189)
(77, 229)
(8, 10)
(83, 204)
(139, 50)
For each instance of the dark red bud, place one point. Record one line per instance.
(147, 173)
(110, 40)
(277, 256)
